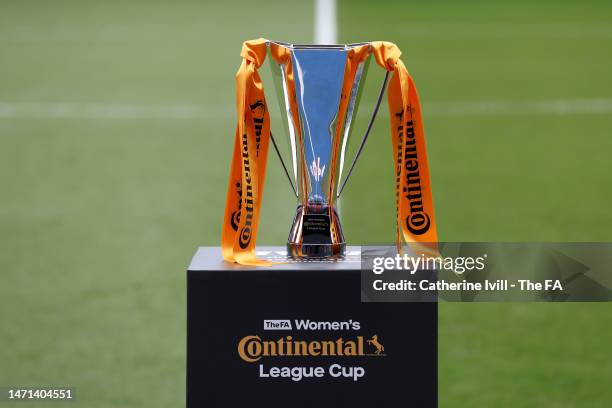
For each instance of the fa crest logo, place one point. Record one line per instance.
(282, 324)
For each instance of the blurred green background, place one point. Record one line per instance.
(116, 127)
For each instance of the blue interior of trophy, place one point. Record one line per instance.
(319, 77)
(310, 90)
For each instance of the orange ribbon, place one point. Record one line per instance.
(415, 212)
(416, 222)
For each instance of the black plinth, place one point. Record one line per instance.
(227, 339)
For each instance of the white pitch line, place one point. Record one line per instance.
(325, 27)
(511, 107)
(226, 112)
(72, 110)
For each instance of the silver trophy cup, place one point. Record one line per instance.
(311, 93)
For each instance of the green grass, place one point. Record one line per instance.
(99, 217)
(530, 177)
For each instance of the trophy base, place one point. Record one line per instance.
(227, 303)
(316, 234)
(316, 251)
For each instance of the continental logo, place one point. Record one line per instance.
(418, 222)
(258, 121)
(235, 220)
(245, 234)
(253, 348)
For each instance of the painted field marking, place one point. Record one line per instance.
(226, 112)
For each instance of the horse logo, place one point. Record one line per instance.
(374, 342)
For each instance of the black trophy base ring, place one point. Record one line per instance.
(316, 250)
(316, 233)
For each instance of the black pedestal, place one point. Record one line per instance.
(239, 343)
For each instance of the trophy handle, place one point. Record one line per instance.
(365, 135)
(280, 157)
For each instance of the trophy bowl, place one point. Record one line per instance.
(319, 87)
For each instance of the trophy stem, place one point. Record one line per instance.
(280, 157)
(316, 233)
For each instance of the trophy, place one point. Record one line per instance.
(318, 87)
(318, 138)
